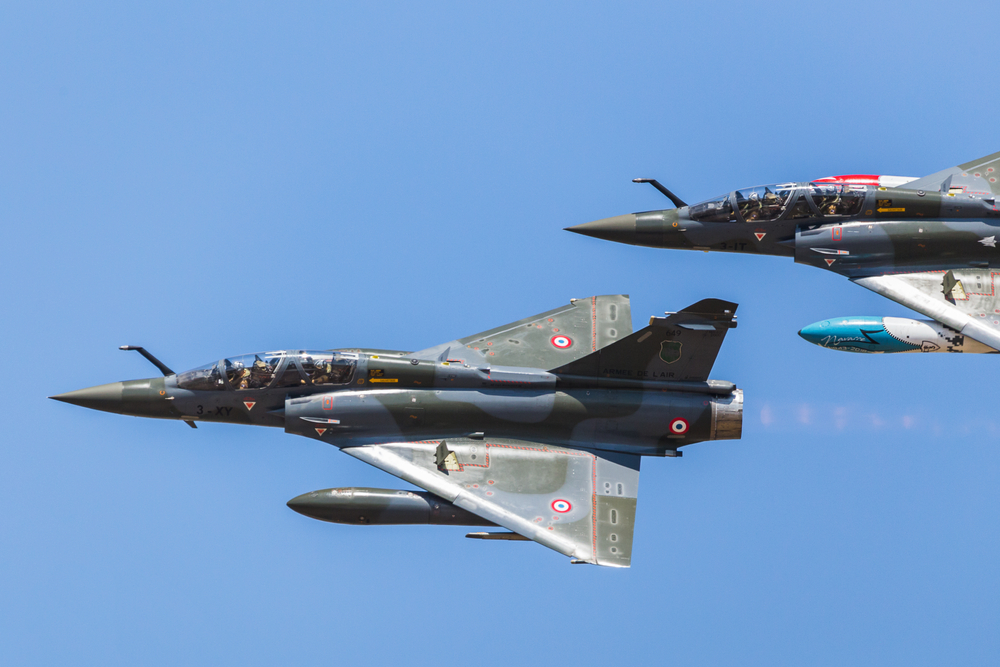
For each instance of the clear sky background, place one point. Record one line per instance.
(214, 180)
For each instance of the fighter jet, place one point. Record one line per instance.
(537, 426)
(927, 243)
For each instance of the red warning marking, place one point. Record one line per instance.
(760, 235)
(857, 179)
(249, 404)
(328, 402)
(679, 426)
(561, 506)
(838, 233)
(829, 262)
(321, 431)
(562, 342)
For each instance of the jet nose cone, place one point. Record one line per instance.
(620, 228)
(107, 397)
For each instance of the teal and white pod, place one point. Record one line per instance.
(889, 334)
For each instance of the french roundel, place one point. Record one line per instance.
(562, 342)
(561, 506)
(679, 426)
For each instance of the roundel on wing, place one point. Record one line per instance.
(561, 506)
(562, 342)
(679, 426)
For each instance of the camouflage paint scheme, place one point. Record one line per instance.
(928, 243)
(537, 426)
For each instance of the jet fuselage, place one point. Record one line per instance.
(385, 396)
(854, 230)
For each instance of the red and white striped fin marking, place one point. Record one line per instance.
(869, 179)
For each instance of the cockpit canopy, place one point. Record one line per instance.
(264, 370)
(787, 201)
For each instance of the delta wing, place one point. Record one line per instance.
(580, 503)
(977, 177)
(546, 340)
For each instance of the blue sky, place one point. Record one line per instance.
(214, 180)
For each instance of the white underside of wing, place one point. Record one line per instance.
(578, 502)
(923, 293)
(386, 458)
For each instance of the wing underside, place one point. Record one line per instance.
(578, 502)
(964, 299)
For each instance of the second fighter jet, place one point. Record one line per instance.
(927, 243)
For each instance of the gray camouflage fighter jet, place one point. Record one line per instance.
(928, 243)
(537, 426)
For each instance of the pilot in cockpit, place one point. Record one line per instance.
(321, 371)
(240, 377)
(771, 205)
(340, 373)
(828, 204)
(260, 374)
(325, 371)
(751, 209)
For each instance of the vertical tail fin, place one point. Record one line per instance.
(680, 347)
